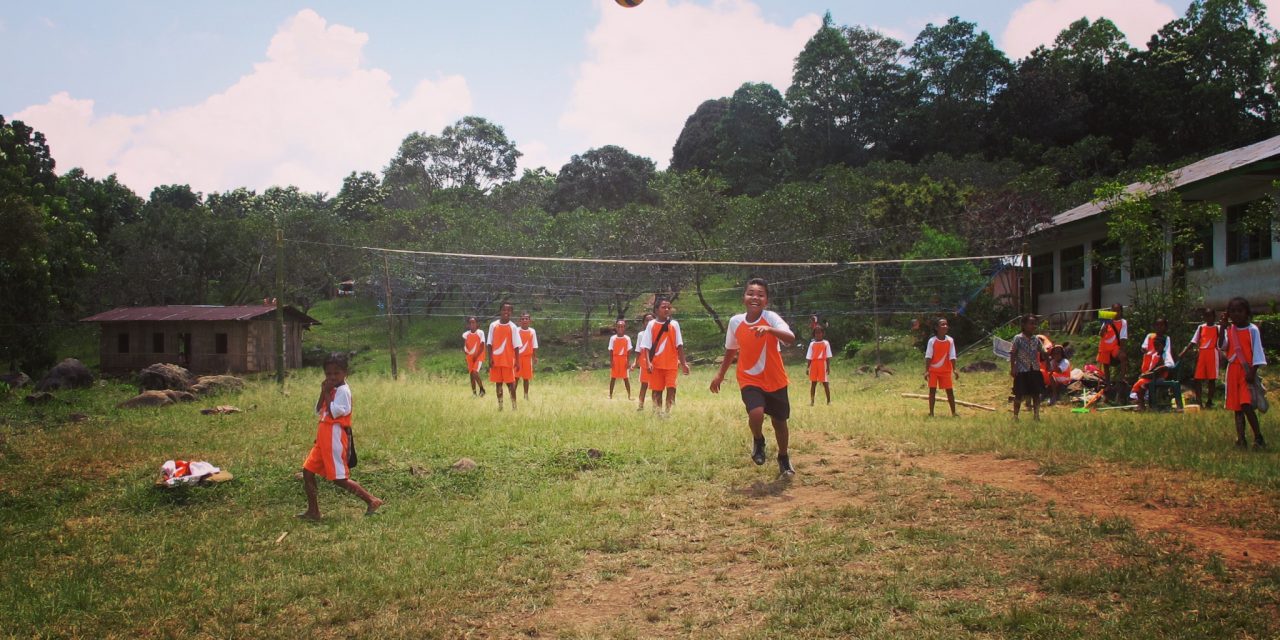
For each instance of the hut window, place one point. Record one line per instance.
(1042, 273)
(1248, 234)
(1072, 266)
(1106, 256)
(122, 343)
(157, 343)
(220, 343)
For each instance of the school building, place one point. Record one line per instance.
(201, 338)
(1232, 260)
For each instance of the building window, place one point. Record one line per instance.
(157, 343)
(1150, 265)
(220, 343)
(1106, 255)
(1042, 273)
(1195, 248)
(1072, 268)
(122, 343)
(1248, 234)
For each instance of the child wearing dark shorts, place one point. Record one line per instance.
(1024, 367)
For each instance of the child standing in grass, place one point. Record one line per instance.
(755, 339)
(1113, 338)
(473, 347)
(819, 363)
(1244, 357)
(504, 343)
(1157, 360)
(663, 347)
(1024, 367)
(642, 360)
(333, 452)
(1208, 341)
(939, 364)
(528, 352)
(619, 356)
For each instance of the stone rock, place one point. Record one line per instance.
(465, 465)
(180, 396)
(980, 366)
(78, 417)
(151, 398)
(68, 374)
(415, 470)
(163, 375)
(206, 385)
(16, 380)
(40, 397)
(222, 409)
(595, 454)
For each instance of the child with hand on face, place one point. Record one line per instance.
(333, 452)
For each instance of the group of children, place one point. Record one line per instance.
(754, 341)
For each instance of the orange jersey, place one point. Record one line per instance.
(941, 354)
(620, 347)
(529, 340)
(819, 350)
(473, 344)
(504, 340)
(759, 357)
(663, 353)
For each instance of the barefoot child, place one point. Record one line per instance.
(333, 451)
(1024, 367)
(1058, 373)
(473, 346)
(619, 355)
(755, 338)
(1208, 341)
(663, 347)
(939, 364)
(1157, 360)
(503, 343)
(1244, 356)
(819, 363)
(1114, 337)
(642, 361)
(528, 352)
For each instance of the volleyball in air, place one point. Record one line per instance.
(629, 3)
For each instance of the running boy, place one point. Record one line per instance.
(663, 347)
(939, 364)
(473, 346)
(1157, 360)
(620, 357)
(1244, 356)
(331, 454)
(1208, 341)
(528, 353)
(755, 338)
(1115, 335)
(819, 363)
(503, 343)
(642, 361)
(1024, 367)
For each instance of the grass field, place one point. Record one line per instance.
(885, 532)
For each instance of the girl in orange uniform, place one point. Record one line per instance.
(819, 363)
(619, 355)
(473, 347)
(333, 452)
(1244, 357)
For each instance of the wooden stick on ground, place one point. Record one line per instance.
(944, 399)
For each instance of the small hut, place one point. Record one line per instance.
(202, 338)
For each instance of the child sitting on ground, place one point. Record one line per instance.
(1057, 372)
(1157, 360)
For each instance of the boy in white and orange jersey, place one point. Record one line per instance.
(1207, 340)
(663, 348)
(642, 361)
(333, 452)
(755, 339)
(939, 364)
(619, 357)
(528, 352)
(504, 342)
(473, 347)
(819, 363)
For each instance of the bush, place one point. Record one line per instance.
(852, 347)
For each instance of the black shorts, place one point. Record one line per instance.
(775, 403)
(1028, 383)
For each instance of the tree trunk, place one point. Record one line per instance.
(586, 331)
(697, 284)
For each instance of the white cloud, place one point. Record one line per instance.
(307, 115)
(651, 66)
(1038, 22)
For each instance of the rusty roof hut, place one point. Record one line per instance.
(204, 339)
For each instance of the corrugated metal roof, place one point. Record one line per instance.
(196, 313)
(1190, 174)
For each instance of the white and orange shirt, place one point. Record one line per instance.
(1153, 355)
(1207, 337)
(819, 350)
(941, 354)
(504, 339)
(759, 357)
(1244, 346)
(1113, 330)
(529, 343)
(620, 347)
(338, 408)
(664, 354)
(473, 343)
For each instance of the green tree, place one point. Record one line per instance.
(824, 87)
(750, 154)
(472, 153)
(698, 145)
(939, 286)
(360, 196)
(605, 178)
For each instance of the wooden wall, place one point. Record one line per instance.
(249, 345)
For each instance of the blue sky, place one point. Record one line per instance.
(226, 94)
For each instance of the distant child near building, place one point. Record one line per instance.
(473, 347)
(1208, 342)
(1157, 360)
(1057, 372)
(333, 452)
(663, 346)
(642, 361)
(504, 343)
(528, 352)
(819, 359)
(1113, 338)
(619, 357)
(1244, 357)
(1024, 367)
(755, 339)
(939, 364)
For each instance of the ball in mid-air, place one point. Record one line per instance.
(629, 3)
